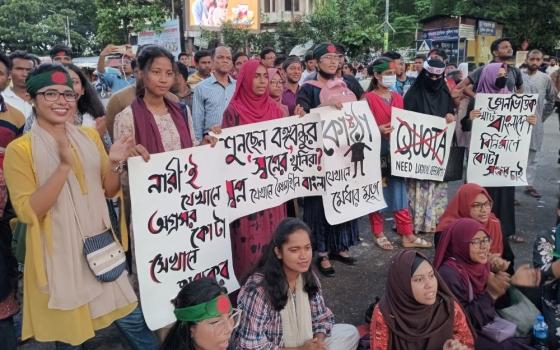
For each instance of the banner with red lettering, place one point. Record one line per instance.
(269, 163)
(500, 140)
(352, 167)
(180, 227)
(420, 145)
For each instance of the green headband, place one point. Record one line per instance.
(383, 66)
(214, 308)
(53, 77)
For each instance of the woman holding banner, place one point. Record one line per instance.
(429, 95)
(251, 103)
(380, 100)
(493, 80)
(58, 176)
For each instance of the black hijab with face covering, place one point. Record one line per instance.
(430, 96)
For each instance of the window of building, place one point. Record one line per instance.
(290, 5)
(269, 6)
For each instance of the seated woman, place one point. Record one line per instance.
(473, 201)
(281, 302)
(205, 318)
(418, 311)
(545, 257)
(462, 261)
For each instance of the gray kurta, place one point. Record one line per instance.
(540, 83)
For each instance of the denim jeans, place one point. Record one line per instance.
(8, 334)
(134, 329)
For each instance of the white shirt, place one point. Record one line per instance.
(552, 69)
(304, 75)
(17, 102)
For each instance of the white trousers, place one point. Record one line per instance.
(343, 337)
(532, 163)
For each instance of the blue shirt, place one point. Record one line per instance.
(115, 81)
(210, 100)
(401, 87)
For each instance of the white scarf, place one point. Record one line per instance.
(296, 317)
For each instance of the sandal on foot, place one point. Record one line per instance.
(348, 260)
(325, 271)
(417, 243)
(516, 239)
(531, 191)
(384, 243)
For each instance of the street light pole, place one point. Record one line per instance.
(67, 27)
(387, 26)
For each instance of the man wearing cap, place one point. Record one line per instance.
(292, 72)
(62, 54)
(331, 241)
(349, 80)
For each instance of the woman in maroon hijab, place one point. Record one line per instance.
(462, 261)
(251, 103)
(418, 311)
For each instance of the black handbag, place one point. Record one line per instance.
(455, 164)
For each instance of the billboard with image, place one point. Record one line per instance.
(214, 13)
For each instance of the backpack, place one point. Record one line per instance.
(333, 92)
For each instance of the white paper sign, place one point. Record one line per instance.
(269, 163)
(420, 145)
(500, 140)
(352, 146)
(180, 226)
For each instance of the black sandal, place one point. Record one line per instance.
(328, 271)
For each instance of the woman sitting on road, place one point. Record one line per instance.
(282, 302)
(473, 201)
(418, 311)
(462, 261)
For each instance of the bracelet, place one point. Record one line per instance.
(119, 168)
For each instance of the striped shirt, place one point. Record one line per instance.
(261, 325)
(210, 99)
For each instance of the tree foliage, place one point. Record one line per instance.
(36, 25)
(536, 21)
(117, 19)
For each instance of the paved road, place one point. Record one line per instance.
(350, 292)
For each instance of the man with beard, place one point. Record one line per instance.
(537, 82)
(503, 53)
(292, 72)
(331, 241)
(349, 80)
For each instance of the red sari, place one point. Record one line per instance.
(251, 234)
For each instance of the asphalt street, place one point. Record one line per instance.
(353, 288)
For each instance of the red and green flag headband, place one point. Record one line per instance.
(383, 65)
(52, 77)
(216, 307)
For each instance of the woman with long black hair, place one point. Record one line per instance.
(281, 302)
(205, 318)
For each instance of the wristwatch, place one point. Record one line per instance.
(119, 168)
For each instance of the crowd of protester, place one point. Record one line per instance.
(63, 177)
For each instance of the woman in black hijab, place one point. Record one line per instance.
(429, 95)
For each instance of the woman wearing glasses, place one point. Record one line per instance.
(473, 201)
(276, 88)
(282, 302)
(462, 261)
(205, 318)
(58, 176)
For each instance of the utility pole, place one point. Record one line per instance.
(69, 43)
(387, 26)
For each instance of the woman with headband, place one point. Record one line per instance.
(59, 176)
(205, 318)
